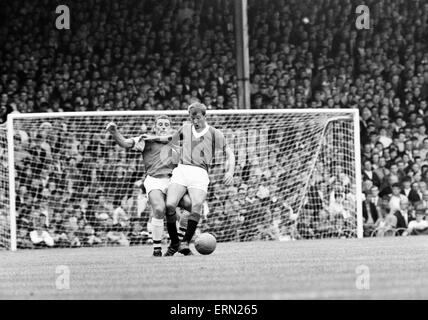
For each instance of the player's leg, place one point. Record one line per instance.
(156, 189)
(186, 205)
(175, 193)
(157, 201)
(197, 197)
(197, 188)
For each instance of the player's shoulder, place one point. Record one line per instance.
(138, 143)
(185, 125)
(215, 131)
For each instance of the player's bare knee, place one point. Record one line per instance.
(197, 207)
(170, 217)
(170, 208)
(159, 210)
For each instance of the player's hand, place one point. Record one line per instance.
(147, 136)
(140, 145)
(111, 127)
(228, 178)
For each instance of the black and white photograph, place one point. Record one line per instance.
(226, 151)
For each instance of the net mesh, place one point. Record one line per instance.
(295, 178)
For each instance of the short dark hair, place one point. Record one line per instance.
(407, 179)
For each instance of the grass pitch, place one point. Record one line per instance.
(311, 269)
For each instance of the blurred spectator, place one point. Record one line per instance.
(419, 226)
(136, 235)
(103, 212)
(218, 196)
(216, 222)
(369, 174)
(370, 215)
(39, 235)
(268, 229)
(387, 221)
(318, 198)
(117, 235)
(402, 216)
(23, 234)
(397, 198)
(305, 225)
(263, 191)
(120, 217)
(337, 206)
(410, 190)
(325, 226)
(374, 197)
(233, 220)
(424, 201)
(88, 236)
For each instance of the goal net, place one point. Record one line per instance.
(296, 177)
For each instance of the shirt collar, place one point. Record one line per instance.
(200, 134)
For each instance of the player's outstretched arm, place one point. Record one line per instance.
(118, 137)
(173, 137)
(151, 137)
(230, 167)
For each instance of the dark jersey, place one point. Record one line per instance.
(158, 157)
(199, 149)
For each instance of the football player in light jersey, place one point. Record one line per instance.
(199, 144)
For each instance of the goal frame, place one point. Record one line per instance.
(11, 155)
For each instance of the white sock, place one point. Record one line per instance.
(157, 225)
(150, 231)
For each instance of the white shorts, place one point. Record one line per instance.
(151, 183)
(191, 177)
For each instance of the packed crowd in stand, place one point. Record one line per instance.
(158, 55)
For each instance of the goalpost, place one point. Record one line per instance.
(298, 176)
